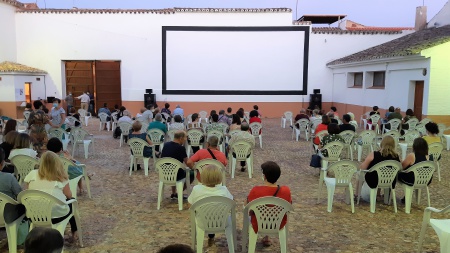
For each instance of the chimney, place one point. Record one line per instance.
(421, 18)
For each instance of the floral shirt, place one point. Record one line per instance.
(330, 138)
(36, 123)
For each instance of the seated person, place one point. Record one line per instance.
(419, 154)
(178, 248)
(7, 145)
(333, 135)
(301, 115)
(321, 127)
(346, 124)
(255, 118)
(271, 173)
(386, 116)
(211, 152)
(105, 109)
(223, 118)
(22, 146)
(126, 117)
(44, 240)
(243, 135)
(332, 119)
(235, 123)
(136, 133)
(74, 114)
(432, 133)
(352, 119)
(256, 108)
(178, 124)
(374, 111)
(334, 112)
(394, 115)
(409, 115)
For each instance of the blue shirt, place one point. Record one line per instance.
(104, 110)
(178, 111)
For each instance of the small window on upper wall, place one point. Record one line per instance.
(358, 79)
(379, 79)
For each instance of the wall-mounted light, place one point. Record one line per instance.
(38, 79)
(424, 71)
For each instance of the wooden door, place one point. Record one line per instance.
(79, 79)
(418, 99)
(107, 84)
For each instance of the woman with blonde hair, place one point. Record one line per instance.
(22, 145)
(53, 179)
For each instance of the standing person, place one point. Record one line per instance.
(84, 101)
(36, 124)
(69, 101)
(91, 103)
(271, 173)
(57, 114)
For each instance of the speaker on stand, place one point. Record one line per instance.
(315, 100)
(149, 98)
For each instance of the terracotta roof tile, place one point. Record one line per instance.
(8, 67)
(411, 44)
(233, 9)
(13, 3)
(337, 30)
(374, 28)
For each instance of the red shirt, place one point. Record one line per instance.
(319, 128)
(267, 191)
(255, 119)
(202, 154)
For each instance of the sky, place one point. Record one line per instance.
(390, 13)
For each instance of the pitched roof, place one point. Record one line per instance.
(8, 67)
(337, 30)
(411, 44)
(13, 3)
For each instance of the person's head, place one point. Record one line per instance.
(54, 145)
(333, 128)
(126, 113)
(156, 111)
(375, 108)
(179, 136)
(87, 92)
(236, 119)
(388, 146)
(116, 107)
(10, 126)
(346, 118)
(333, 108)
(244, 126)
(255, 107)
(10, 137)
(167, 105)
(178, 106)
(176, 248)
(212, 112)
(28, 106)
(211, 175)
(44, 240)
(432, 128)
(23, 140)
(105, 105)
(420, 147)
(213, 141)
(241, 109)
(325, 120)
(221, 112)
(73, 110)
(143, 109)
(2, 158)
(316, 112)
(158, 117)
(397, 110)
(215, 117)
(51, 168)
(391, 108)
(137, 125)
(149, 107)
(122, 108)
(194, 117)
(156, 105)
(240, 114)
(254, 113)
(330, 115)
(177, 118)
(37, 104)
(56, 102)
(229, 110)
(302, 111)
(271, 171)
(409, 112)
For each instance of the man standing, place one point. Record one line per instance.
(91, 103)
(69, 101)
(84, 101)
(175, 149)
(244, 135)
(211, 152)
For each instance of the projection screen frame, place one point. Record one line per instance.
(304, 29)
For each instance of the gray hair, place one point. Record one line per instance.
(213, 141)
(158, 117)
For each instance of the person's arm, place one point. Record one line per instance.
(369, 159)
(190, 163)
(67, 192)
(15, 187)
(63, 119)
(148, 140)
(26, 186)
(409, 160)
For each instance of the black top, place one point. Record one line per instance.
(174, 150)
(372, 177)
(408, 178)
(7, 148)
(345, 127)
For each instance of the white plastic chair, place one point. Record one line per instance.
(194, 136)
(125, 127)
(319, 135)
(203, 115)
(423, 172)
(409, 137)
(203, 163)
(144, 127)
(84, 115)
(39, 207)
(314, 124)
(243, 151)
(66, 163)
(435, 149)
(26, 115)
(269, 213)
(363, 120)
(255, 129)
(137, 148)
(114, 120)
(425, 121)
(220, 136)
(213, 215)
(103, 120)
(421, 128)
(343, 172)
(22, 126)
(366, 141)
(348, 137)
(394, 124)
(394, 134)
(375, 118)
(72, 121)
(168, 169)
(440, 226)
(412, 123)
(23, 165)
(170, 134)
(387, 173)
(59, 133)
(225, 127)
(286, 116)
(157, 138)
(11, 228)
(334, 150)
(79, 136)
(303, 126)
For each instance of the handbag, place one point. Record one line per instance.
(315, 161)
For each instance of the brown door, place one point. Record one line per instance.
(107, 84)
(79, 78)
(418, 99)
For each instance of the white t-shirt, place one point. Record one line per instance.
(53, 188)
(125, 119)
(201, 191)
(22, 151)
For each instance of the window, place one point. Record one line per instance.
(358, 79)
(378, 79)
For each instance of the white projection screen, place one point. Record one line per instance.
(235, 60)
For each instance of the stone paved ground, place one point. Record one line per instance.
(122, 215)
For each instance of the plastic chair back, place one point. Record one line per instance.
(202, 115)
(394, 123)
(56, 132)
(216, 133)
(233, 132)
(242, 149)
(348, 136)
(82, 112)
(410, 136)
(387, 172)
(393, 134)
(375, 118)
(288, 115)
(114, 116)
(5, 199)
(79, 135)
(103, 117)
(156, 136)
(137, 146)
(343, 172)
(425, 121)
(423, 172)
(194, 136)
(302, 124)
(171, 134)
(421, 129)
(26, 115)
(211, 213)
(439, 226)
(321, 134)
(435, 149)
(125, 127)
(412, 123)
(168, 168)
(255, 128)
(39, 206)
(24, 164)
(72, 120)
(334, 150)
(367, 137)
(315, 123)
(225, 127)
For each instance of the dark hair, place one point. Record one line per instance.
(236, 119)
(105, 105)
(432, 127)
(325, 119)
(391, 109)
(137, 126)
(214, 117)
(241, 109)
(57, 100)
(54, 145)
(229, 110)
(167, 105)
(245, 126)
(28, 106)
(271, 170)
(254, 113)
(177, 118)
(10, 126)
(212, 112)
(333, 108)
(179, 134)
(194, 116)
(221, 112)
(240, 114)
(37, 104)
(122, 108)
(43, 240)
(409, 112)
(255, 107)
(116, 106)
(72, 110)
(176, 248)
(333, 128)
(346, 118)
(2, 156)
(420, 147)
(375, 108)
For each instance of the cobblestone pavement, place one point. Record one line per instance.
(122, 215)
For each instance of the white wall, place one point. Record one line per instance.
(7, 88)
(7, 33)
(37, 87)
(442, 18)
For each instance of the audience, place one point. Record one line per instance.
(321, 127)
(255, 118)
(148, 114)
(8, 143)
(211, 152)
(22, 145)
(136, 133)
(44, 240)
(223, 118)
(419, 154)
(346, 124)
(255, 107)
(74, 114)
(178, 111)
(11, 125)
(229, 113)
(194, 123)
(158, 124)
(126, 117)
(105, 109)
(178, 124)
(166, 109)
(333, 135)
(386, 116)
(214, 125)
(8, 183)
(243, 135)
(334, 112)
(301, 115)
(432, 133)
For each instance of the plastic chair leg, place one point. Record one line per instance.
(121, 140)
(394, 200)
(230, 238)
(108, 125)
(88, 184)
(359, 153)
(320, 185)
(233, 167)
(200, 237)
(439, 170)
(160, 193)
(146, 161)
(352, 201)
(330, 191)
(86, 149)
(282, 235)
(373, 199)
(131, 163)
(260, 141)
(252, 237)
(428, 196)
(179, 186)
(418, 194)
(11, 233)
(249, 167)
(408, 198)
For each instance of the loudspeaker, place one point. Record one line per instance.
(50, 99)
(316, 91)
(315, 99)
(149, 91)
(149, 99)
